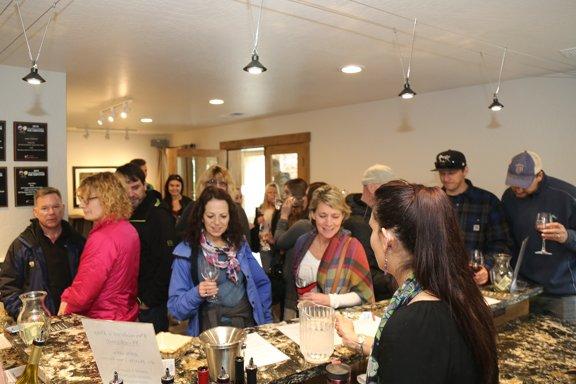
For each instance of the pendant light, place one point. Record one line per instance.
(255, 67)
(407, 92)
(34, 77)
(496, 105)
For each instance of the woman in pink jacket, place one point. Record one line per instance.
(106, 284)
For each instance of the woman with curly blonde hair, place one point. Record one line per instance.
(106, 285)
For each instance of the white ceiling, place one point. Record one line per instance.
(170, 57)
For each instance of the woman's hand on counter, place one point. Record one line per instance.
(62, 309)
(345, 329)
(316, 298)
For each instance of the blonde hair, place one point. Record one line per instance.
(110, 191)
(265, 204)
(210, 173)
(332, 197)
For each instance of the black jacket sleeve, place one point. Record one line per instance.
(12, 278)
(156, 257)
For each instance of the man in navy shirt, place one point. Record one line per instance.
(532, 191)
(480, 213)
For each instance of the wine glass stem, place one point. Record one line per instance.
(543, 245)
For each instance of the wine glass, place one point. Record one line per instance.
(210, 272)
(543, 218)
(476, 260)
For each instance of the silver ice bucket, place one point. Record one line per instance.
(222, 345)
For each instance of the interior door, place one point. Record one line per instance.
(287, 161)
(191, 163)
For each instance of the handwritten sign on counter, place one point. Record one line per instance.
(127, 348)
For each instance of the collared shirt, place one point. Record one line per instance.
(482, 221)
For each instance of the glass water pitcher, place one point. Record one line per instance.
(501, 273)
(34, 317)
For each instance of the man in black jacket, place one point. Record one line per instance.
(44, 257)
(357, 224)
(155, 225)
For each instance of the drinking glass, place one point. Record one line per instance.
(476, 260)
(210, 272)
(543, 218)
(278, 204)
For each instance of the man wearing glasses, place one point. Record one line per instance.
(44, 257)
(532, 192)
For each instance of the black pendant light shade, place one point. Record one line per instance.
(255, 67)
(34, 77)
(496, 105)
(407, 92)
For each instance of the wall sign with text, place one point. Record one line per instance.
(26, 182)
(3, 187)
(30, 141)
(2, 140)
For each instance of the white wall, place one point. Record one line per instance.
(96, 150)
(46, 103)
(539, 114)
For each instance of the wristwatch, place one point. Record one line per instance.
(360, 343)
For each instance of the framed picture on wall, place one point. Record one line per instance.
(30, 141)
(2, 140)
(80, 173)
(26, 181)
(3, 187)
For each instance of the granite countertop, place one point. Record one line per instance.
(534, 350)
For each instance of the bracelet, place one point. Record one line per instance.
(360, 343)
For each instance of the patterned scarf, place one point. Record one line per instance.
(401, 298)
(211, 253)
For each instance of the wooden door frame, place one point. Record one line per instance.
(276, 144)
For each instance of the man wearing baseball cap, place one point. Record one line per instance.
(480, 213)
(532, 191)
(361, 205)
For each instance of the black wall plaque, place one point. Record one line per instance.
(30, 141)
(26, 182)
(3, 187)
(2, 140)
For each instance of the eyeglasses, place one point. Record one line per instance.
(218, 183)
(85, 201)
(46, 208)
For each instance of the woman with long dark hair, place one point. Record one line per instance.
(174, 195)
(215, 240)
(437, 327)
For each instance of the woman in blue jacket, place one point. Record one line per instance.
(240, 295)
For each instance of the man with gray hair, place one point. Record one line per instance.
(44, 257)
(357, 224)
(531, 192)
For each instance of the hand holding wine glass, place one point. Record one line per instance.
(542, 219)
(476, 260)
(209, 288)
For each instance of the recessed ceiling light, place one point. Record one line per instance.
(146, 120)
(350, 69)
(216, 101)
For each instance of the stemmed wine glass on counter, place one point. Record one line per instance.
(542, 219)
(476, 260)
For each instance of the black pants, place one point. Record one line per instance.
(158, 316)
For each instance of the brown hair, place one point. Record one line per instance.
(210, 173)
(110, 191)
(424, 221)
(41, 192)
(233, 234)
(297, 188)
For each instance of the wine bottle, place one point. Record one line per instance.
(251, 371)
(116, 379)
(167, 378)
(30, 374)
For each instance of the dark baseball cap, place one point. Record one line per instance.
(523, 168)
(450, 159)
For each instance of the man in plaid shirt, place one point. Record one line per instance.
(480, 212)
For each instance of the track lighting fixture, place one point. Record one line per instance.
(496, 105)
(107, 134)
(86, 133)
(34, 77)
(126, 134)
(111, 115)
(124, 112)
(255, 67)
(407, 92)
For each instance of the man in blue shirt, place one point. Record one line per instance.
(532, 191)
(480, 213)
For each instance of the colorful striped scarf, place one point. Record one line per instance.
(211, 252)
(355, 272)
(402, 297)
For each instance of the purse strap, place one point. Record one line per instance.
(342, 256)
